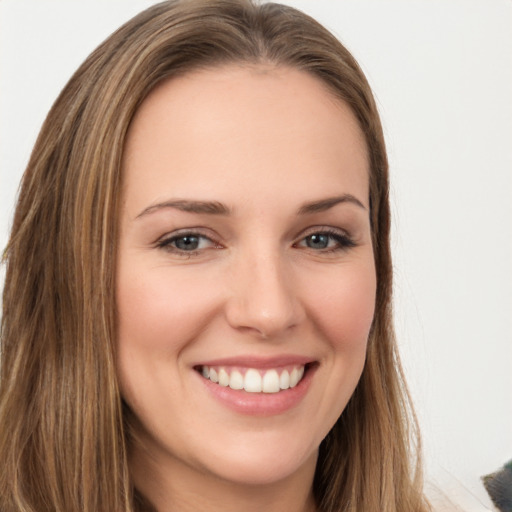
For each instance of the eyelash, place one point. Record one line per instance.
(166, 243)
(342, 239)
(343, 242)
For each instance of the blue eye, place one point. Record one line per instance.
(318, 241)
(327, 241)
(185, 243)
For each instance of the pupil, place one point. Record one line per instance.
(187, 243)
(318, 241)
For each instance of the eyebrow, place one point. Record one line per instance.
(209, 207)
(326, 204)
(217, 208)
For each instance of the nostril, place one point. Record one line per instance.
(262, 322)
(262, 298)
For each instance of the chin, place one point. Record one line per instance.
(263, 470)
(262, 458)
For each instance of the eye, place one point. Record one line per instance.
(186, 243)
(326, 241)
(318, 241)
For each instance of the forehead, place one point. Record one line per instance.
(243, 126)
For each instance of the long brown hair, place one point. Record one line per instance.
(63, 431)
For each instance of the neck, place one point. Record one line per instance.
(177, 487)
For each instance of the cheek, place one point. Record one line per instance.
(160, 310)
(344, 310)
(342, 307)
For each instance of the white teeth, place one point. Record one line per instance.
(294, 378)
(271, 382)
(284, 380)
(252, 381)
(223, 377)
(213, 375)
(236, 380)
(296, 375)
(255, 381)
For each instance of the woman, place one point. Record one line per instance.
(197, 309)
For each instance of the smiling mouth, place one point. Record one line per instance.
(252, 380)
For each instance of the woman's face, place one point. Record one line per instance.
(246, 280)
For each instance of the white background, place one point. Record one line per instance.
(442, 75)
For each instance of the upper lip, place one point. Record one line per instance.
(257, 362)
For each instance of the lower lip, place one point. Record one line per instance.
(261, 404)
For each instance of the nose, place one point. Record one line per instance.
(263, 298)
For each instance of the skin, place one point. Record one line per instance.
(264, 142)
